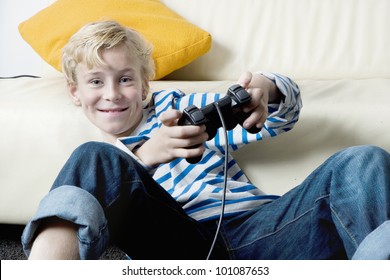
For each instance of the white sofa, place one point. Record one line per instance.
(337, 51)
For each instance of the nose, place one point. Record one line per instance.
(112, 92)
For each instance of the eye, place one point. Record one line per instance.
(125, 80)
(96, 82)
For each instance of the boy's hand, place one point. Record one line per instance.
(262, 90)
(172, 141)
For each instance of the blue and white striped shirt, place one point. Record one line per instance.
(198, 187)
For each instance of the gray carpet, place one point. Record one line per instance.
(11, 249)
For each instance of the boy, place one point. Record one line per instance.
(108, 194)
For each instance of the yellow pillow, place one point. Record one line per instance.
(176, 42)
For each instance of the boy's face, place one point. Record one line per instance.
(111, 96)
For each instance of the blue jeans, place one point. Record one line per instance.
(326, 217)
(112, 198)
(376, 245)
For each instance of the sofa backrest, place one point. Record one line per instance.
(304, 39)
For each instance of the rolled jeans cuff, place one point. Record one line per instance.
(78, 206)
(376, 245)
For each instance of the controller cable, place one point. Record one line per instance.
(224, 181)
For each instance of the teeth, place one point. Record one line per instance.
(113, 111)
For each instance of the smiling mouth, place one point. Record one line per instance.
(113, 110)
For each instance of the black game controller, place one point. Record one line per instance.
(230, 107)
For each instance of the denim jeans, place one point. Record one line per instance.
(376, 245)
(112, 198)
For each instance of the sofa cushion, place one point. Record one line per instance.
(176, 41)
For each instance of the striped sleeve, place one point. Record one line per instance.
(282, 117)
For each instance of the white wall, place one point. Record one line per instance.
(16, 56)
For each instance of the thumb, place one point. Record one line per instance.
(170, 117)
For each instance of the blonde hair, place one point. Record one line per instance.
(86, 46)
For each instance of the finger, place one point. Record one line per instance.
(189, 142)
(245, 79)
(186, 131)
(257, 96)
(190, 152)
(262, 120)
(258, 118)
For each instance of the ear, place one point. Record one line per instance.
(144, 94)
(72, 89)
(145, 89)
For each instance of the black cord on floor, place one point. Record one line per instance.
(20, 76)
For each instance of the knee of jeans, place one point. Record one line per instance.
(101, 154)
(94, 154)
(369, 165)
(367, 154)
(92, 147)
